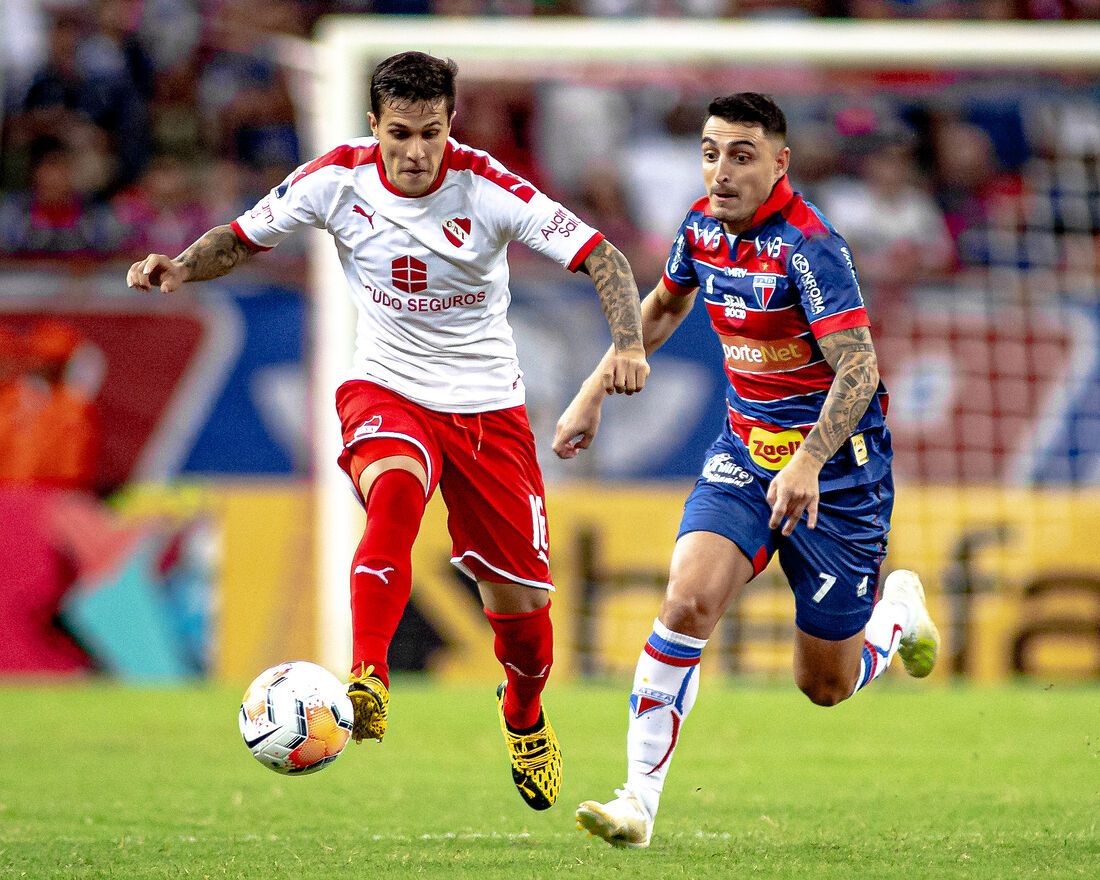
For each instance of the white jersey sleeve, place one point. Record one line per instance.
(520, 212)
(302, 199)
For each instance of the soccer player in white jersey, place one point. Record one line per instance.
(435, 395)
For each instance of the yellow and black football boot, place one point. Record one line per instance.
(536, 758)
(370, 699)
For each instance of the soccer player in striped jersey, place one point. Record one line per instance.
(435, 395)
(802, 467)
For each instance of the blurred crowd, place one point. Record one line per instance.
(134, 125)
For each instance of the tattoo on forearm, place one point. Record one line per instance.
(618, 294)
(217, 253)
(852, 355)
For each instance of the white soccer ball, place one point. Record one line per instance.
(296, 717)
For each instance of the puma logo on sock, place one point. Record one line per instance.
(377, 572)
(541, 674)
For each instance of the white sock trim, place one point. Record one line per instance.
(677, 638)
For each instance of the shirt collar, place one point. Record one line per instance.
(781, 194)
(444, 167)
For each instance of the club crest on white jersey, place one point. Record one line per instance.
(457, 230)
(428, 274)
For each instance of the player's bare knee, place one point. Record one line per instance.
(690, 614)
(824, 691)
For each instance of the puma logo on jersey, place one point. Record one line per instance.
(457, 230)
(368, 427)
(377, 572)
(370, 217)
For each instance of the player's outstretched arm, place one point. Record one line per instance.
(610, 272)
(218, 252)
(662, 312)
(794, 490)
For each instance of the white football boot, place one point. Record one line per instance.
(623, 822)
(921, 642)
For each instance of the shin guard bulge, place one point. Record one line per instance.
(524, 645)
(666, 683)
(381, 572)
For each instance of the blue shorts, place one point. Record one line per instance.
(833, 569)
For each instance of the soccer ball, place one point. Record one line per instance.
(296, 717)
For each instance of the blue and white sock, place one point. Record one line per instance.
(881, 639)
(666, 682)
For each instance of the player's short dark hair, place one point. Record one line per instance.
(412, 77)
(752, 108)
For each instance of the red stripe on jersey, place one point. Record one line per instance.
(742, 425)
(679, 289)
(778, 324)
(798, 214)
(464, 159)
(719, 258)
(236, 227)
(346, 156)
(841, 321)
(717, 255)
(776, 386)
(583, 253)
(702, 204)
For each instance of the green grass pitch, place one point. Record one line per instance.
(907, 780)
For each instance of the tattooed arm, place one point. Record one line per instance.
(625, 368)
(614, 281)
(217, 253)
(662, 312)
(851, 354)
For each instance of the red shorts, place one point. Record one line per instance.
(484, 465)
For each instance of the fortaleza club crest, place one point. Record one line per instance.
(763, 286)
(457, 230)
(646, 700)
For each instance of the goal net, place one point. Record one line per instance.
(959, 160)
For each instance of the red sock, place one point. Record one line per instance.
(524, 646)
(381, 569)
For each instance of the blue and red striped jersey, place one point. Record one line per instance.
(771, 293)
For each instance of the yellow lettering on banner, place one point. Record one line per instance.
(772, 450)
(1031, 560)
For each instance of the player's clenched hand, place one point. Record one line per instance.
(578, 425)
(156, 270)
(794, 491)
(625, 371)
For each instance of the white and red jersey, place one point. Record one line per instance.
(428, 274)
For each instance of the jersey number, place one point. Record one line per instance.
(540, 540)
(827, 581)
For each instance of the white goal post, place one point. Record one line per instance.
(346, 47)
